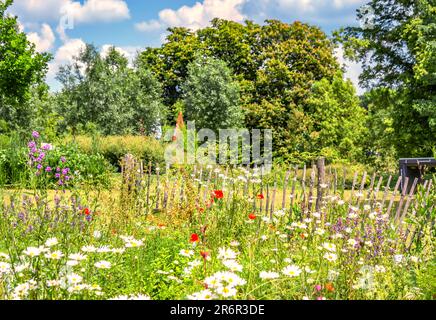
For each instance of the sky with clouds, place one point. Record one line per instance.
(62, 27)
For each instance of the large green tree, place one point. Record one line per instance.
(275, 64)
(211, 96)
(397, 47)
(106, 92)
(21, 69)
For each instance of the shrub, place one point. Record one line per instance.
(113, 148)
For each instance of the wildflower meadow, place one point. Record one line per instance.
(213, 232)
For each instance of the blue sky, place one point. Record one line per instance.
(62, 27)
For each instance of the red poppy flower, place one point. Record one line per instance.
(204, 254)
(330, 287)
(302, 236)
(260, 196)
(86, 211)
(218, 194)
(201, 209)
(194, 237)
(251, 216)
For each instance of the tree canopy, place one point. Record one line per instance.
(21, 69)
(397, 48)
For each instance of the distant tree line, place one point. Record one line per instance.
(276, 76)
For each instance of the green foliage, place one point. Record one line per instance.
(21, 68)
(276, 66)
(109, 94)
(398, 54)
(113, 148)
(89, 169)
(337, 119)
(211, 97)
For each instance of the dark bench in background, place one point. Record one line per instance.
(414, 168)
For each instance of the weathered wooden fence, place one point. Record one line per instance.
(305, 189)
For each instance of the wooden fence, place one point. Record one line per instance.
(307, 192)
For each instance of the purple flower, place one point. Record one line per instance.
(57, 175)
(65, 171)
(58, 169)
(46, 146)
(67, 178)
(63, 159)
(48, 169)
(35, 134)
(31, 144)
(39, 166)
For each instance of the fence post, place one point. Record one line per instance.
(321, 178)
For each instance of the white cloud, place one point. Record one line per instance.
(151, 25)
(89, 11)
(197, 16)
(353, 69)
(43, 40)
(98, 11)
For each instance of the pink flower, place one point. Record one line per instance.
(318, 287)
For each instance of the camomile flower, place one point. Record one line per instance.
(55, 255)
(231, 278)
(287, 260)
(234, 243)
(351, 242)
(319, 231)
(398, 258)
(227, 254)
(329, 246)
(4, 256)
(132, 297)
(103, 264)
(348, 230)
(134, 243)
(280, 213)
(4, 267)
(341, 202)
(118, 250)
(232, 265)
(352, 215)
(366, 207)
(308, 270)
(263, 237)
(51, 242)
(77, 257)
(22, 267)
(212, 282)
(186, 253)
(268, 275)
(53, 283)
(227, 291)
(97, 234)
(194, 263)
(291, 271)
(89, 249)
(202, 295)
(72, 263)
(32, 252)
(74, 278)
(414, 259)
(330, 256)
(379, 269)
(77, 288)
